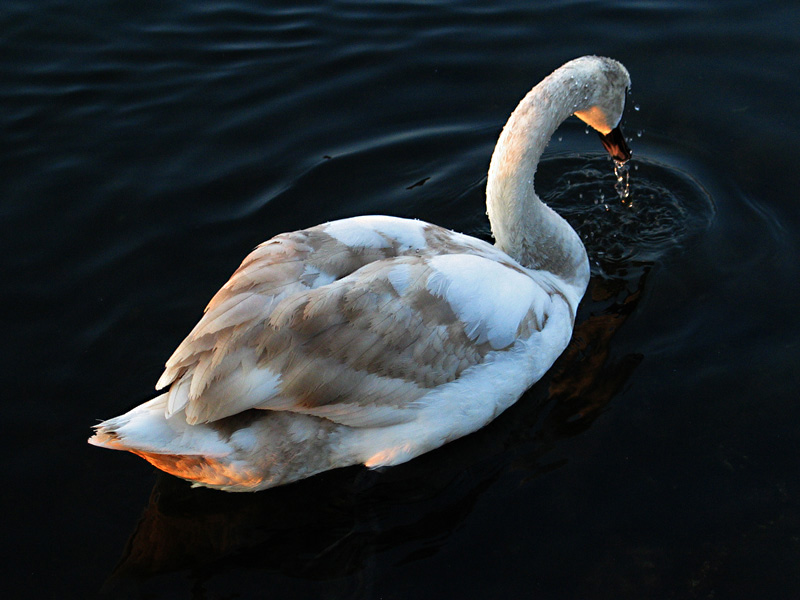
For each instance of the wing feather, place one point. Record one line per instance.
(311, 325)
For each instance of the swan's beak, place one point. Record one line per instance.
(614, 142)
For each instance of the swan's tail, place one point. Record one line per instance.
(198, 453)
(146, 428)
(246, 452)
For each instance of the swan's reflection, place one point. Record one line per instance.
(334, 524)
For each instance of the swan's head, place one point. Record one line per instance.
(606, 83)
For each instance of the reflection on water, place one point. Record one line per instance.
(324, 527)
(588, 379)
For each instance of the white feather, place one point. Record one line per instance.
(490, 298)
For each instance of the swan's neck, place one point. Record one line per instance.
(522, 225)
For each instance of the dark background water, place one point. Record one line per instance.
(147, 147)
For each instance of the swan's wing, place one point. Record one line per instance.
(364, 349)
(291, 263)
(287, 264)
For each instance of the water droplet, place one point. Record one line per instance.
(636, 107)
(560, 138)
(639, 133)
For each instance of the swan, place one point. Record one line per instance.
(374, 339)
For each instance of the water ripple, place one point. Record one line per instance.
(665, 207)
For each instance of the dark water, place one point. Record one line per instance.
(147, 147)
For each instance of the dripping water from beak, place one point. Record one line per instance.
(616, 146)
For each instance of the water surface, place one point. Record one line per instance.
(148, 148)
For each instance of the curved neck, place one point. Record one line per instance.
(522, 225)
